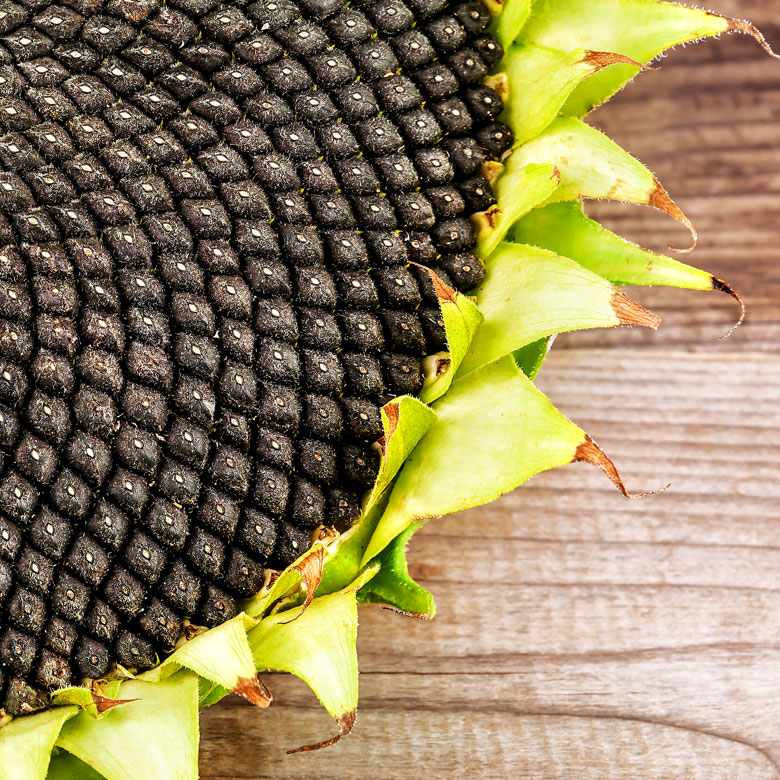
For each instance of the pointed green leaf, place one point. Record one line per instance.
(494, 430)
(517, 191)
(510, 16)
(393, 586)
(461, 319)
(404, 421)
(531, 357)
(530, 293)
(154, 737)
(593, 166)
(540, 79)
(640, 29)
(77, 696)
(564, 228)
(318, 646)
(221, 655)
(26, 743)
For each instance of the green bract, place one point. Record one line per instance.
(480, 429)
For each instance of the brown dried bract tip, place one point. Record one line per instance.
(602, 59)
(103, 703)
(719, 284)
(630, 312)
(659, 198)
(393, 414)
(590, 452)
(346, 722)
(443, 292)
(254, 690)
(311, 573)
(748, 28)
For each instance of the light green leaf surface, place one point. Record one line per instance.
(404, 421)
(393, 586)
(79, 697)
(517, 192)
(26, 743)
(511, 16)
(530, 293)
(461, 320)
(221, 655)
(540, 79)
(494, 431)
(318, 646)
(640, 29)
(153, 738)
(591, 165)
(564, 228)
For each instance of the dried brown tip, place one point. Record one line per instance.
(443, 292)
(103, 703)
(603, 59)
(393, 414)
(630, 312)
(590, 452)
(748, 28)
(346, 722)
(659, 198)
(254, 690)
(719, 284)
(311, 573)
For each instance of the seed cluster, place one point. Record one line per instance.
(207, 217)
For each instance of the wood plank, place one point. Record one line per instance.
(581, 635)
(435, 727)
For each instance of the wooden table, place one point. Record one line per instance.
(581, 635)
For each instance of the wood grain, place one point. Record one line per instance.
(581, 635)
